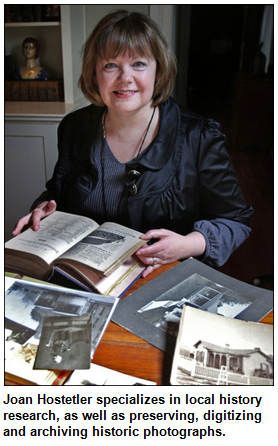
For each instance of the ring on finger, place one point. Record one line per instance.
(154, 261)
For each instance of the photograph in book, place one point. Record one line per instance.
(65, 343)
(216, 350)
(28, 303)
(153, 311)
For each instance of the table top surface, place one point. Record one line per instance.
(125, 352)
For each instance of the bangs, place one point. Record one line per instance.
(120, 42)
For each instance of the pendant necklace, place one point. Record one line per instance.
(145, 134)
(132, 184)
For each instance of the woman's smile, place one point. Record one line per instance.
(125, 93)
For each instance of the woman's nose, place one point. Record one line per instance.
(126, 74)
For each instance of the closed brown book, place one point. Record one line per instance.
(24, 91)
(15, 91)
(8, 93)
(42, 91)
(34, 90)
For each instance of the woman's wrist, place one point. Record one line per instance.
(195, 244)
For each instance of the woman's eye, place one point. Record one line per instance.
(139, 64)
(109, 66)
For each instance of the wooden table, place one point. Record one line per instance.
(123, 351)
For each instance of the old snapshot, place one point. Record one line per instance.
(154, 312)
(165, 311)
(27, 304)
(216, 350)
(65, 343)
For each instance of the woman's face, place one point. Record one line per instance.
(126, 83)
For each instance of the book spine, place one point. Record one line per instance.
(8, 93)
(24, 91)
(15, 91)
(42, 92)
(34, 91)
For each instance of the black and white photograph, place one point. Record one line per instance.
(65, 343)
(216, 350)
(17, 332)
(100, 237)
(165, 311)
(28, 304)
(154, 311)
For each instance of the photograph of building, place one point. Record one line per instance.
(216, 350)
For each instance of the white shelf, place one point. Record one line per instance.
(30, 24)
(46, 111)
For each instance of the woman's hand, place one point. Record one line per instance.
(34, 217)
(169, 248)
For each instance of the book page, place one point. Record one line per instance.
(57, 234)
(110, 244)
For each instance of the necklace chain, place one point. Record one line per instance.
(145, 134)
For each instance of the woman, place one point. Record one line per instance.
(136, 157)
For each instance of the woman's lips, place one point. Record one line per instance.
(125, 93)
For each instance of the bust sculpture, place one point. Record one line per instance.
(31, 70)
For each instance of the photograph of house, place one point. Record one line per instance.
(215, 350)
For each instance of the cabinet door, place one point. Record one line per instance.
(30, 156)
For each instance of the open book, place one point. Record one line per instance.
(97, 257)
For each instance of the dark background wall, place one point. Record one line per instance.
(223, 75)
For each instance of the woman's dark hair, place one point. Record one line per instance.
(122, 31)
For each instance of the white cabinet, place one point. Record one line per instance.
(30, 156)
(31, 127)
